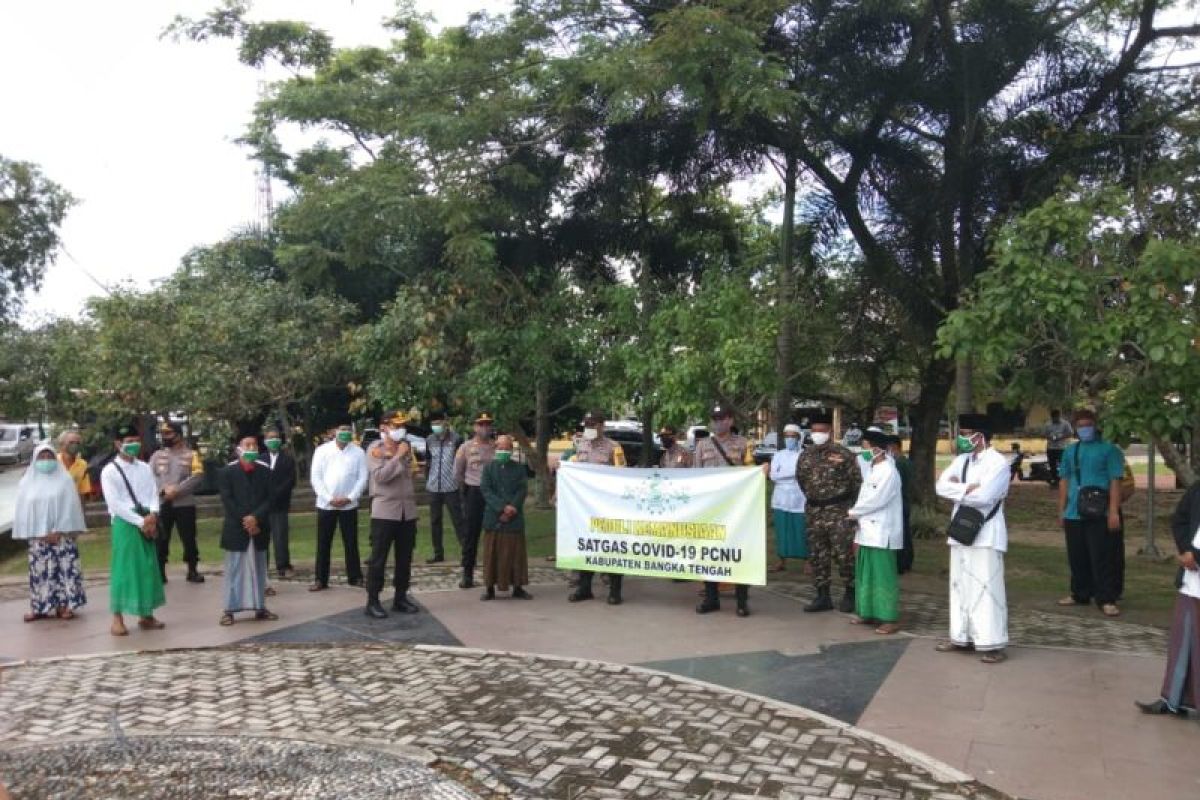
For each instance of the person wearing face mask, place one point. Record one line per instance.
(829, 475)
(469, 462)
(978, 479)
(339, 478)
(505, 562)
(674, 455)
(246, 487)
(393, 466)
(178, 471)
(442, 484)
(1089, 507)
(596, 448)
(1058, 436)
(723, 448)
(787, 500)
(283, 481)
(131, 494)
(70, 447)
(879, 515)
(48, 515)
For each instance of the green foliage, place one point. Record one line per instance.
(32, 209)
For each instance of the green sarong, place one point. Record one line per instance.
(135, 583)
(876, 585)
(791, 534)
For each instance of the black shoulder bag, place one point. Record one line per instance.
(967, 522)
(1092, 501)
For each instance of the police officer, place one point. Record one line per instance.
(596, 448)
(674, 455)
(723, 448)
(469, 462)
(177, 472)
(829, 476)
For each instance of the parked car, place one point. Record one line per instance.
(17, 443)
(630, 439)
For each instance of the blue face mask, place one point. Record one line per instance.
(791, 443)
(1086, 433)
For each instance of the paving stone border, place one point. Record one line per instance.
(520, 726)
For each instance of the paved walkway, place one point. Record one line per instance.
(1056, 722)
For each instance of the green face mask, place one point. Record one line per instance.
(503, 456)
(865, 455)
(274, 444)
(44, 465)
(964, 444)
(131, 449)
(73, 448)
(344, 436)
(249, 456)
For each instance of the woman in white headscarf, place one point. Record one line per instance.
(48, 516)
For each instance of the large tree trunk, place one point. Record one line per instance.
(1185, 472)
(787, 293)
(539, 449)
(926, 414)
(964, 386)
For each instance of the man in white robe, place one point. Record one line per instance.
(978, 478)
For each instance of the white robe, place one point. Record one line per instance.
(879, 509)
(787, 494)
(978, 603)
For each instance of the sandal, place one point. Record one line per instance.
(118, 629)
(33, 617)
(269, 591)
(888, 628)
(1110, 610)
(857, 620)
(781, 567)
(226, 620)
(951, 647)
(994, 657)
(268, 616)
(151, 624)
(66, 613)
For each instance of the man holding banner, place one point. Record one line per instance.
(596, 448)
(723, 448)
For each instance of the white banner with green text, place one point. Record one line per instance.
(697, 524)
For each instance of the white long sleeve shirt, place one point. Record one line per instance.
(879, 509)
(116, 495)
(990, 471)
(339, 472)
(787, 494)
(1191, 577)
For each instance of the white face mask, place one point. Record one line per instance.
(397, 434)
(820, 438)
(590, 434)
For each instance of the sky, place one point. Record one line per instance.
(141, 130)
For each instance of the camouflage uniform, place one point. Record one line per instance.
(829, 476)
(601, 450)
(739, 451)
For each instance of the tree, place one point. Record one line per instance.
(32, 210)
(1087, 287)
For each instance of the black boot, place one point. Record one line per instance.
(584, 590)
(822, 602)
(847, 604)
(1159, 707)
(488, 594)
(743, 601)
(711, 601)
(520, 594)
(194, 575)
(468, 579)
(614, 590)
(402, 604)
(374, 609)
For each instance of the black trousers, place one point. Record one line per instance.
(329, 520)
(1053, 459)
(906, 555)
(170, 517)
(438, 502)
(384, 533)
(469, 540)
(1093, 554)
(614, 583)
(740, 590)
(278, 520)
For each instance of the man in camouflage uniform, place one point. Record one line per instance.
(723, 448)
(674, 455)
(596, 448)
(178, 472)
(829, 476)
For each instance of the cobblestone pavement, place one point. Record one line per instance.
(519, 726)
(186, 766)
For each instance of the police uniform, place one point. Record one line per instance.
(676, 456)
(731, 450)
(605, 451)
(177, 466)
(830, 477)
(469, 461)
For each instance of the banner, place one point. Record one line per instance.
(695, 524)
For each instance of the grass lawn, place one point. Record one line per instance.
(1036, 564)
